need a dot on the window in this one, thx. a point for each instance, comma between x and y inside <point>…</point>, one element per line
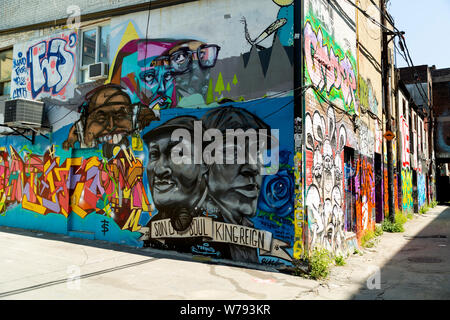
<point>5,71</point>
<point>94,48</point>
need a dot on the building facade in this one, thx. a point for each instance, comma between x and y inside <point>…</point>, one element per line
<point>292,87</point>
<point>441,99</point>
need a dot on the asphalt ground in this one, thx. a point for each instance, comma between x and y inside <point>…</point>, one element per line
<point>42,266</point>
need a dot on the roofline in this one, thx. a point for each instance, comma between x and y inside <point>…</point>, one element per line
<point>157,4</point>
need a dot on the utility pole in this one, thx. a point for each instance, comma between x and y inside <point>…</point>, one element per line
<point>386,67</point>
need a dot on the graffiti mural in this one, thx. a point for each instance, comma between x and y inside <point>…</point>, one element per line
<point>367,95</point>
<point>406,172</point>
<point>404,130</point>
<point>329,68</point>
<point>378,138</point>
<point>108,118</point>
<point>366,141</point>
<point>365,195</point>
<point>283,26</point>
<point>159,73</point>
<point>325,140</point>
<point>299,220</point>
<point>421,189</point>
<point>109,167</point>
<point>44,184</point>
<point>45,68</point>
<point>212,209</point>
<point>188,207</point>
<point>407,190</point>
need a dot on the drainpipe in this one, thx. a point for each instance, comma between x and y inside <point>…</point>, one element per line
<point>299,110</point>
<point>386,67</point>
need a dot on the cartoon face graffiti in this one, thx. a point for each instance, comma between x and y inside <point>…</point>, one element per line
<point>327,156</point>
<point>160,72</point>
<point>176,188</point>
<point>325,142</point>
<point>317,165</point>
<point>158,83</point>
<point>108,118</point>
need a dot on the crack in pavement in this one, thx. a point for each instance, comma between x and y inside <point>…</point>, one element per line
<point>236,285</point>
<point>61,281</point>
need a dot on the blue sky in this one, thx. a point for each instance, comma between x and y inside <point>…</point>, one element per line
<point>427,27</point>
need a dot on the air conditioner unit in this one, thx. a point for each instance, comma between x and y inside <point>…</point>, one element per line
<point>23,112</point>
<point>98,71</point>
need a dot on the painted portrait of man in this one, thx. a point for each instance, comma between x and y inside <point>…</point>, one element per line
<point>108,118</point>
<point>234,186</point>
<point>160,72</point>
<point>177,189</point>
<point>146,79</point>
<point>225,190</point>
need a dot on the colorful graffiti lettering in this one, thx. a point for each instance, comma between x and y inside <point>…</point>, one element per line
<point>44,185</point>
<point>328,68</point>
<point>367,96</point>
<point>299,218</point>
<point>407,190</point>
<point>106,167</point>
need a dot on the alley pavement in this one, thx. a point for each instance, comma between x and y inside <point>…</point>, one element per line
<point>42,266</point>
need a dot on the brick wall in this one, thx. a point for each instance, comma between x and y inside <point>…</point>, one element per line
<point>28,12</point>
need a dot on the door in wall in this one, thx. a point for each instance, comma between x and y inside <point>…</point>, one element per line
<point>349,185</point>
<point>378,188</point>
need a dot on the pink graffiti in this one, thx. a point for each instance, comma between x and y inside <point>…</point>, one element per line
<point>326,69</point>
<point>405,142</point>
<point>52,64</point>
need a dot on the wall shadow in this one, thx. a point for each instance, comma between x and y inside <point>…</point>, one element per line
<point>420,270</point>
<point>143,251</point>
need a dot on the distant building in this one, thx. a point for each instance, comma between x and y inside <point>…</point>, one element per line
<point>441,98</point>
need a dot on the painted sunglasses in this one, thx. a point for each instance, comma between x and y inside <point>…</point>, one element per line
<point>181,60</point>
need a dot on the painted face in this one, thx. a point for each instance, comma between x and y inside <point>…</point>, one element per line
<point>236,188</point>
<point>192,62</point>
<point>157,86</point>
<point>109,119</point>
<point>317,164</point>
<point>327,156</point>
<point>172,185</point>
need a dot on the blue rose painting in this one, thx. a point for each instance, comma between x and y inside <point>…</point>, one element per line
<point>277,191</point>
